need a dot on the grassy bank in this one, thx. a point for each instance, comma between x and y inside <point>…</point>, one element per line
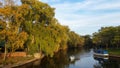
<point>114,52</point>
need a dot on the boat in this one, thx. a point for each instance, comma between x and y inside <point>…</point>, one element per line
<point>101,58</point>
<point>101,52</point>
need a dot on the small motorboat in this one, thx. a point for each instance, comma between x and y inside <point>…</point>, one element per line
<point>101,52</point>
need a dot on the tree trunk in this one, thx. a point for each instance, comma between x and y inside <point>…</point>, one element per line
<point>5,53</point>
<point>106,46</point>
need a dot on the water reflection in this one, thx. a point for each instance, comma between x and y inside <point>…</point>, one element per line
<point>101,60</point>
<point>60,60</point>
<point>107,62</point>
<point>84,59</point>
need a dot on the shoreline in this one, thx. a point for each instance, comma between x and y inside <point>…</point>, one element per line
<point>114,56</point>
<point>114,53</point>
<point>21,63</point>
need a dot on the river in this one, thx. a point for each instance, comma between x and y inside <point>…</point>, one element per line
<point>83,59</point>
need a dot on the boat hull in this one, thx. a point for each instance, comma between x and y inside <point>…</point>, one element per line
<point>104,55</point>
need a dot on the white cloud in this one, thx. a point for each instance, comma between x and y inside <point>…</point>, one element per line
<point>50,1</point>
<point>88,5</point>
<point>85,17</point>
<point>106,6</point>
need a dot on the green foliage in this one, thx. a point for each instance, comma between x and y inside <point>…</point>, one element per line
<point>107,37</point>
<point>88,41</point>
<point>75,40</point>
<point>114,51</point>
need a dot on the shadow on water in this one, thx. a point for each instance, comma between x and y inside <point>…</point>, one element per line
<point>107,63</point>
<point>60,59</point>
<point>83,59</point>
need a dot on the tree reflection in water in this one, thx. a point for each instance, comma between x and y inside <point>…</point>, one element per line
<point>107,63</point>
<point>60,60</point>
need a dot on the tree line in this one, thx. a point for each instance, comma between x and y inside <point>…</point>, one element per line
<point>33,28</point>
<point>107,37</point>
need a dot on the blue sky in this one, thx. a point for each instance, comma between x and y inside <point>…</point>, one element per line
<point>86,16</point>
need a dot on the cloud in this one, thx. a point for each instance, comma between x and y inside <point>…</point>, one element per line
<point>48,1</point>
<point>88,5</point>
<point>79,22</point>
<point>88,16</point>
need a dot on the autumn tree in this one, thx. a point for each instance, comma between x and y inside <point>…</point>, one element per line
<point>10,25</point>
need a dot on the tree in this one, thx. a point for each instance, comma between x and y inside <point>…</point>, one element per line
<point>75,40</point>
<point>88,41</point>
<point>10,25</point>
<point>107,37</point>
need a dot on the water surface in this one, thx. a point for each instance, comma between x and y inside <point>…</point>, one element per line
<point>84,59</point>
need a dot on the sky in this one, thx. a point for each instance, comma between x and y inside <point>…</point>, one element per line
<point>86,16</point>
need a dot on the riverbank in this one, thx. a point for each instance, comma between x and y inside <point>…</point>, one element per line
<point>114,53</point>
<point>25,62</point>
<point>16,61</point>
<point>13,62</point>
